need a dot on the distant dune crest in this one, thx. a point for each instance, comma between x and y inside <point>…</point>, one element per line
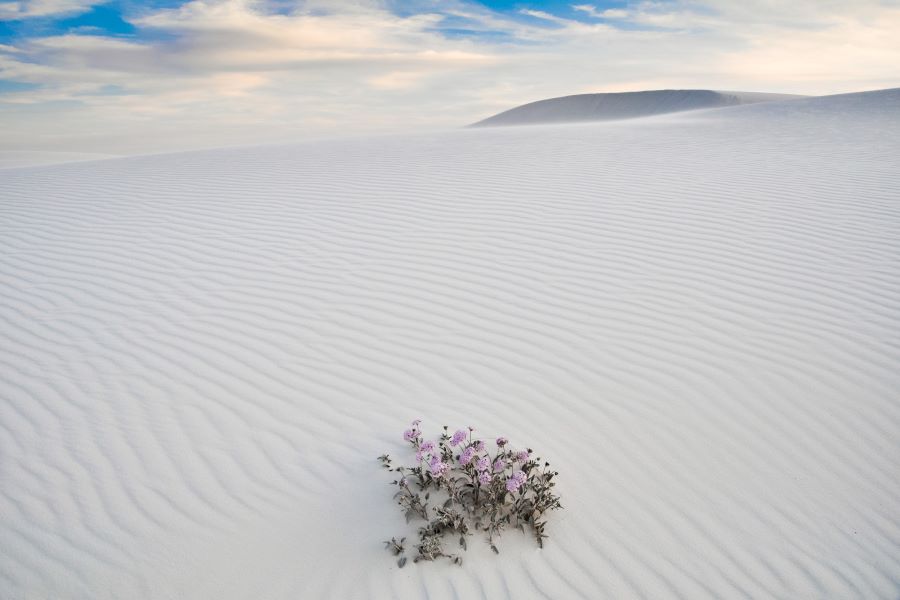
<point>624,105</point>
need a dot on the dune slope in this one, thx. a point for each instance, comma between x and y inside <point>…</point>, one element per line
<point>623,105</point>
<point>203,354</point>
<point>10,159</point>
<point>877,105</point>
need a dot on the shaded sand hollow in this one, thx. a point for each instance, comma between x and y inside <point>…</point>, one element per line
<point>695,317</point>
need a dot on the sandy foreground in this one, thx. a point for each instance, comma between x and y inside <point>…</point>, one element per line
<point>696,318</point>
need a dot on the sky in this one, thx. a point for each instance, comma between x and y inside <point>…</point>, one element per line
<point>133,76</point>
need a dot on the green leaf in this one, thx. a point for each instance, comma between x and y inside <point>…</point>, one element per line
<point>402,562</point>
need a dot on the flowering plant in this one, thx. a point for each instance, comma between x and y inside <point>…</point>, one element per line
<point>457,486</point>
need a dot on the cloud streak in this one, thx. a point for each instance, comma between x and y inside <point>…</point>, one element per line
<point>29,9</point>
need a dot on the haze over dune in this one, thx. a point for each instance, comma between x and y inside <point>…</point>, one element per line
<point>622,105</point>
<point>882,105</point>
<point>695,318</point>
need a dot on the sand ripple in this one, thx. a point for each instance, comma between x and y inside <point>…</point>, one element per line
<point>697,319</point>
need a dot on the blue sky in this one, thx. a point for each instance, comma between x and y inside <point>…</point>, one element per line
<point>556,7</point>
<point>106,18</point>
<point>128,75</point>
<point>112,18</point>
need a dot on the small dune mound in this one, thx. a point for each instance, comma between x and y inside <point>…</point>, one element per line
<point>625,105</point>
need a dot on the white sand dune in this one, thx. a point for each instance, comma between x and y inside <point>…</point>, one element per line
<point>622,105</point>
<point>11,159</point>
<point>697,321</point>
<point>881,105</point>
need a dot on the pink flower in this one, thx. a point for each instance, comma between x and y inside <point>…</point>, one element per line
<point>483,464</point>
<point>466,457</point>
<point>522,455</point>
<point>479,446</point>
<point>437,466</point>
<point>424,448</point>
<point>484,478</point>
<point>499,464</point>
<point>410,434</point>
<point>502,441</point>
<point>458,437</point>
<point>516,481</point>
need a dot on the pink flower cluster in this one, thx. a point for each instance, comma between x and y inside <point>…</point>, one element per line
<point>458,437</point>
<point>483,464</point>
<point>437,466</point>
<point>426,451</point>
<point>424,448</point>
<point>413,432</point>
<point>516,481</point>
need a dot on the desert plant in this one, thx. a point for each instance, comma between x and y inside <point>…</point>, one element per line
<point>458,486</point>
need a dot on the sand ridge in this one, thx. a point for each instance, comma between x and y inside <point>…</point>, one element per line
<point>611,106</point>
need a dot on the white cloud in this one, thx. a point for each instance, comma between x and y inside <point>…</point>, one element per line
<point>864,51</point>
<point>539,14</point>
<point>609,13</point>
<point>590,9</point>
<point>398,80</point>
<point>26,9</point>
<point>614,13</point>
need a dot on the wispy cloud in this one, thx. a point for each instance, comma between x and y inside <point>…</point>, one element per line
<point>594,12</point>
<point>539,14</point>
<point>27,9</point>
